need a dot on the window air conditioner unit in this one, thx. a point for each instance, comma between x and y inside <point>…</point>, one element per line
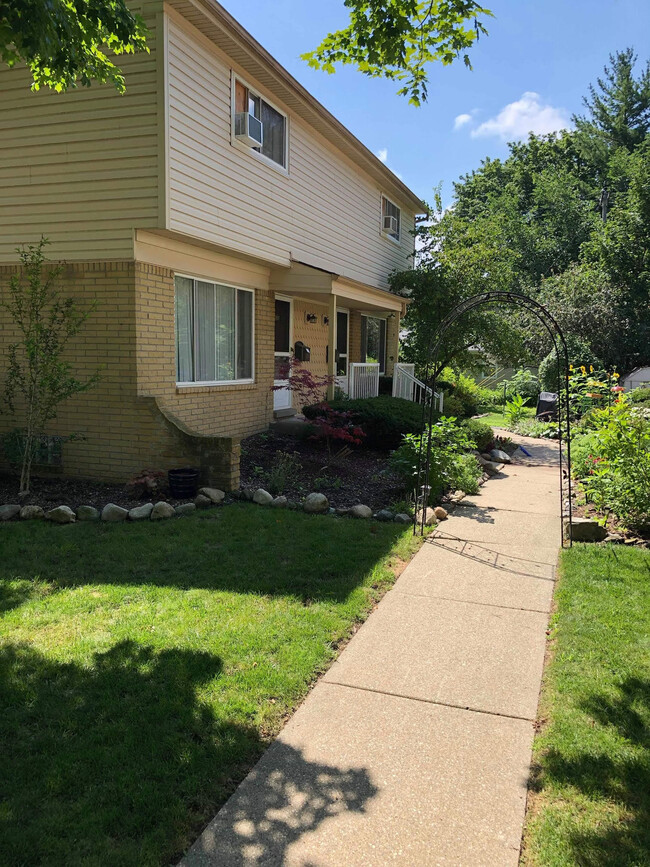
<point>248,129</point>
<point>391,225</point>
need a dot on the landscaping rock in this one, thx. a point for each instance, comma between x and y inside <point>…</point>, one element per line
<point>316,504</point>
<point>185,509</point>
<point>31,513</point>
<point>247,494</point>
<point>360,511</point>
<point>614,538</point>
<point>403,518</point>
<point>280,502</point>
<point>202,502</point>
<point>87,513</point>
<point>162,510</point>
<point>262,497</point>
<point>61,515</point>
<point>440,513</point>
<point>384,515</point>
<point>141,513</point>
<point>429,517</point>
<point>213,494</point>
<point>500,456</point>
<point>585,530</point>
<point>457,496</point>
<point>10,511</point>
<point>113,513</point>
<point>492,468</point>
<point>342,511</point>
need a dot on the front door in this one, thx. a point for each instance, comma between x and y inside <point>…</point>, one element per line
<point>342,338</point>
<point>283,354</point>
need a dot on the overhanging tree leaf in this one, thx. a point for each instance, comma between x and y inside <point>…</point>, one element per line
<point>64,42</point>
<point>396,39</point>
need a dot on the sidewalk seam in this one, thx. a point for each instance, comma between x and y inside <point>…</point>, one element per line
<point>527,719</point>
<point>468,602</point>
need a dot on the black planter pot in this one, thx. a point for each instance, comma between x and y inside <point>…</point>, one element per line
<point>183,483</point>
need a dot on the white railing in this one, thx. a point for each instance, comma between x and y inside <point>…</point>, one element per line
<point>364,380</point>
<point>407,386</point>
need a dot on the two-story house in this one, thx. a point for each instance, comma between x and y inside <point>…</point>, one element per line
<point>222,219</point>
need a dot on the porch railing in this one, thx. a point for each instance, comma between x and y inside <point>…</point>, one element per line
<point>407,386</point>
<point>364,380</point>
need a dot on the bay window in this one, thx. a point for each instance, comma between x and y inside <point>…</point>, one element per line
<point>214,332</point>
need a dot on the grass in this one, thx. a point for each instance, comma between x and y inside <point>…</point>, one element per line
<point>144,668</point>
<point>496,418</point>
<point>590,799</point>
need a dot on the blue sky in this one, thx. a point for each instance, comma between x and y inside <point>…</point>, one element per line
<point>530,72</point>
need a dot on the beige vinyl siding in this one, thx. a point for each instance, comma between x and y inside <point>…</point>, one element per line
<point>325,211</point>
<point>81,167</point>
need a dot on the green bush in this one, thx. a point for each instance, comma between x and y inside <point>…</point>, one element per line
<point>613,462</point>
<point>579,353</point>
<point>640,396</point>
<point>453,407</point>
<point>479,433</point>
<point>525,384</point>
<point>384,419</point>
<point>489,398</point>
<point>451,466</point>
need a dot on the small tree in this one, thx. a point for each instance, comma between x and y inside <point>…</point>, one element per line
<point>38,379</point>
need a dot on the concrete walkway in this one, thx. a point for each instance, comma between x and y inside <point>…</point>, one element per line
<point>414,748</point>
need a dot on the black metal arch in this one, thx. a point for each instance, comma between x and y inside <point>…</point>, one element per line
<point>562,355</point>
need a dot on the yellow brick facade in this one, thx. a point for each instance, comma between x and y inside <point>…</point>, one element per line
<point>136,417</point>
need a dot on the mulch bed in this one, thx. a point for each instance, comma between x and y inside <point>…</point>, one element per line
<point>362,476</point>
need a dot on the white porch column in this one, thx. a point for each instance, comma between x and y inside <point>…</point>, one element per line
<point>331,342</point>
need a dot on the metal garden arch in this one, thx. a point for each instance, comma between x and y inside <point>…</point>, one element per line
<point>559,344</point>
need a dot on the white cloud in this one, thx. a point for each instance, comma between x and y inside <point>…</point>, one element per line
<point>461,120</point>
<point>523,116</point>
<point>382,156</point>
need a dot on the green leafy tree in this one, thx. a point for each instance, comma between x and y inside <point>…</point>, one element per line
<point>38,377</point>
<point>64,42</point>
<point>397,39</point>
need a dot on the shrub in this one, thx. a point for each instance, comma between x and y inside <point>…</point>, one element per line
<point>489,398</point>
<point>515,410</point>
<point>579,353</point>
<point>453,407</point>
<point>640,396</point>
<point>450,467</point>
<point>479,433</point>
<point>384,420</point>
<point>525,384</point>
<point>613,462</point>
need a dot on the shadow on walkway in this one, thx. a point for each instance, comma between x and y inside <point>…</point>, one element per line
<point>284,798</point>
<point>496,559</point>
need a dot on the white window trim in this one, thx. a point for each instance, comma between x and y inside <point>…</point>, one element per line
<point>383,233</point>
<point>234,77</point>
<point>202,383</point>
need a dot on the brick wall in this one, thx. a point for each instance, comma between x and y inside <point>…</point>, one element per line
<point>135,417</point>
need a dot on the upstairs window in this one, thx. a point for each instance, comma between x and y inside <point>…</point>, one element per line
<point>391,218</point>
<point>259,125</point>
<point>214,332</point>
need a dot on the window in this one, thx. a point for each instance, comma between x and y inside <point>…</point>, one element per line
<point>274,123</point>
<point>390,219</point>
<point>214,332</point>
<point>373,341</point>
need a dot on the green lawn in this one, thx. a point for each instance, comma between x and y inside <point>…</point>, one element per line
<point>590,803</point>
<point>497,419</point>
<point>144,667</point>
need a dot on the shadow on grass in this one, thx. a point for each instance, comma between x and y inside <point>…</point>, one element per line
<point>622,778</point>
<point>242,549</point>
<point>119,762</point>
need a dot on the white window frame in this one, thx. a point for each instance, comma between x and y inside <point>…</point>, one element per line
<point>234,78</point>
<point>202,383</point>
<point>383,232</point>
<point>382,364</point>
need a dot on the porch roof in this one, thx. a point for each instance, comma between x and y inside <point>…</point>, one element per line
<point>318,286</point>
